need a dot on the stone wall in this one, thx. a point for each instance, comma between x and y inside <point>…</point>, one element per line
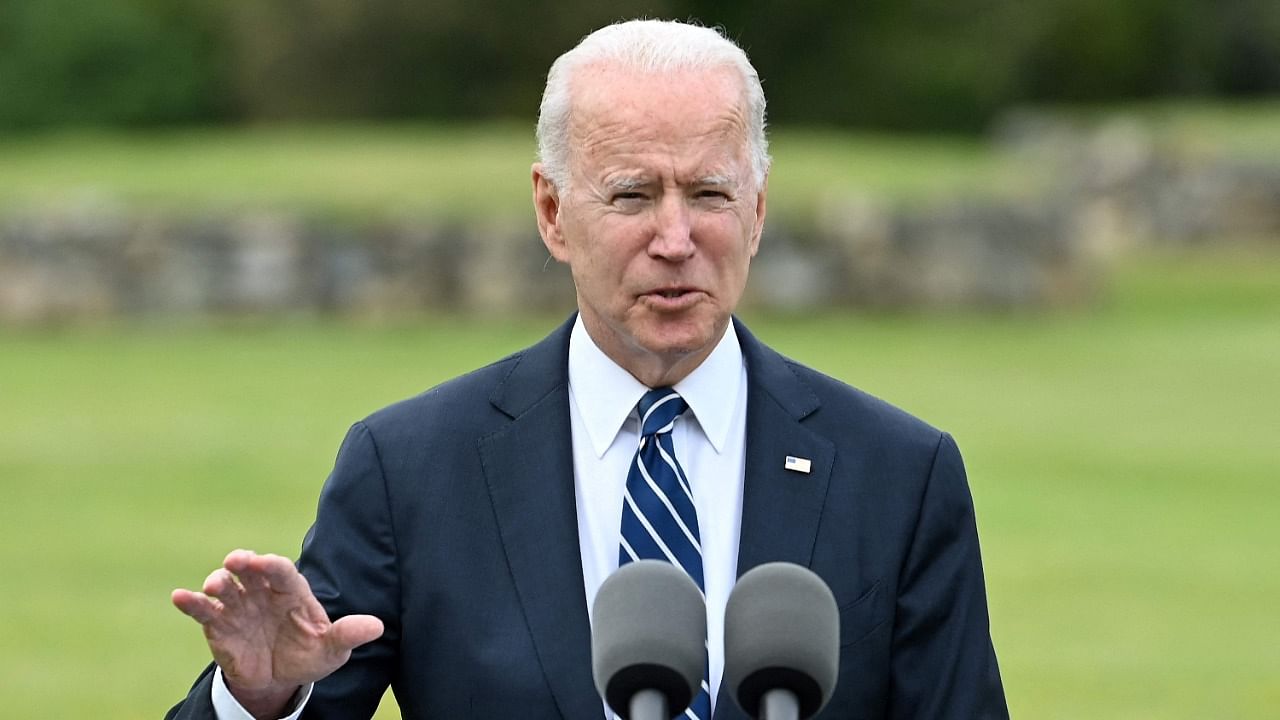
<point>1119,185</point>
<point>1106,189</point>
<point>97,260</point>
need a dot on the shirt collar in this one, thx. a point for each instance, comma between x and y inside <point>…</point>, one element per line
<point>606,394</point>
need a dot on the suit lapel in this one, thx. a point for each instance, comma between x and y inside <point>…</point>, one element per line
<point>528,467</point>
<point>781,508</point>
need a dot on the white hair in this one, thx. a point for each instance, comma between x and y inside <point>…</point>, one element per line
<point>652,46</point>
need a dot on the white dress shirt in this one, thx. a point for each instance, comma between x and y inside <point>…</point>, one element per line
<point>710,441</point>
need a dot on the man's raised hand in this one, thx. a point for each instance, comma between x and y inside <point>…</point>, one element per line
<point>268,632</point>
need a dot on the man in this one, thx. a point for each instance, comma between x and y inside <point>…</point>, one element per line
<point>464,533</point>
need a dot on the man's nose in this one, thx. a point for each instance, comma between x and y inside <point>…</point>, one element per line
<point>673,232</point>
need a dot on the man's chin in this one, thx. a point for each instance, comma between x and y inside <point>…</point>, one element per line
<point>676,341</point>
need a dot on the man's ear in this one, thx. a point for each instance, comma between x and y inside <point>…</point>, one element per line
<point>761,207</point>
<point>546,206</point>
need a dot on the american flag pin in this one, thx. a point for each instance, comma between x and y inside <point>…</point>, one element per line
<point>798,464</point>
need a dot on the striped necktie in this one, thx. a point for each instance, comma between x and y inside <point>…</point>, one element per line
<point>658,517</point>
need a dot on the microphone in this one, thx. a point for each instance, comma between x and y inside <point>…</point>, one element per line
<point>648,640</point>
<point>781,642</point>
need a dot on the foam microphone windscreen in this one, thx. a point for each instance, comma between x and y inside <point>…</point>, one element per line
<point>649,629</point>
<point>781,631</point>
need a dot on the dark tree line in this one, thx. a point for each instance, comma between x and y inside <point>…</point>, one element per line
<point>905,64</point>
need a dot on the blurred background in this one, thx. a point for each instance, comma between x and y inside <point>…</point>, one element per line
<point>1051,227</point>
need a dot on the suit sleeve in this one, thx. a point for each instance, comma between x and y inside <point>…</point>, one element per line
<point>944,665</point>
<point>349,558</point>
<point>198,704</point>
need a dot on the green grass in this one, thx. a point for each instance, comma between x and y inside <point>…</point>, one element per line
<point>456,172</point>
<point>464,172</point>
<point>1243,130</point>
<point>1124,462</point>
<point>453,172</point>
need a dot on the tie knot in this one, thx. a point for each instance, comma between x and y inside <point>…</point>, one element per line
<point>658,410</point>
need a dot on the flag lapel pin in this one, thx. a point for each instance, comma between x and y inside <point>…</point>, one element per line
<point>798,464</point>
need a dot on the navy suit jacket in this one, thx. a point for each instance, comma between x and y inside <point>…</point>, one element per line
<point>451,517</point>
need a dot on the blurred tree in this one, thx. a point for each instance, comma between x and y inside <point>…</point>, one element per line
<point>1249,47</point>
<point>906,64</point>
<point>901,64</point>
<point>1101,49</point>
<point>402,58</point>
<point>120,62</point>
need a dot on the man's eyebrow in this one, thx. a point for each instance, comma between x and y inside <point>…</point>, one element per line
<point>715,180</point>
<point>626,183</point>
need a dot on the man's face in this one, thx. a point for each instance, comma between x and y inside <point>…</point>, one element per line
<point>662,215</point>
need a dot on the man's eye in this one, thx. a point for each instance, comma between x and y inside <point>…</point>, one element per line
<point>628,196</point>
<point>716,195</point>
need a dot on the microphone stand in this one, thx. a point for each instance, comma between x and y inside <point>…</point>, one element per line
<point>779,704</point>
<point>649,705</point>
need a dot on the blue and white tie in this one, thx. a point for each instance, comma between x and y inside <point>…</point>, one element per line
<point>659,521</point>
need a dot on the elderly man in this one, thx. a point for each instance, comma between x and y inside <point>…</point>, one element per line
<point>464,533</point>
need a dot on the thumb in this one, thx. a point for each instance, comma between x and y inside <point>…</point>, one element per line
<point>352,631</point>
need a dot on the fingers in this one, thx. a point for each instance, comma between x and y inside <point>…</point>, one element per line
<point>247,585</point>
<point>245,562</point>
<point>225,588</point>
<point>352,631</point>
<point>220,591</point>
<point>263,624</point>
<point>222,585</point>
<point>269,571</point>
<point>198,606</point>
<point>237,560</point>
<point>281,574</point>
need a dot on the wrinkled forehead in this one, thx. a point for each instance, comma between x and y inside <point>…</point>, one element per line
<point>615,108</point>
<point>603,86</point>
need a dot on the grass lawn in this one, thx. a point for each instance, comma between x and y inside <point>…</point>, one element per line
<point>481,170</point>
<point>457,172</point>
<point>1124,462</point>
<point>1245,131</point>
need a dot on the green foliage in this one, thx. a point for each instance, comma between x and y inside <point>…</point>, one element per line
<point>123,62</point>
<point>401,58</point>
<point>900,64</point>
<point>1123,465</point>
<point>940,64</point>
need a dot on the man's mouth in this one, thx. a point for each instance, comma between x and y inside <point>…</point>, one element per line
<point>672,299</point>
